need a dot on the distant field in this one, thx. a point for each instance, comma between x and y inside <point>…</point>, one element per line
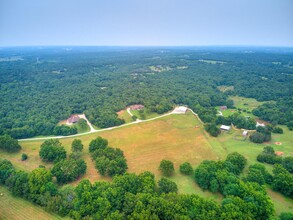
<point>174,137</point>
<point>225,88</point>
<point>212,61</point>
<point>245,104</point>
<point>13,208</point>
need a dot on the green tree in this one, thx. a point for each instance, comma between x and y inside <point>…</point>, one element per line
<point>9,144</point>
<point>186,168</point>
<point>277,130</point>
<point>214,185</point>
<point>167,168</point>
<point>238,161</point>
<point>6,169</point>
<point>38,180</point>
<point>288,163</point>
<point>167,186</point>
<point>52,151</point>
<point>212,129</point>
<point>68,170</point>
<point>98,143</point>
<point>76,145</point>
<point>17,183</point>
<point>282,181</point>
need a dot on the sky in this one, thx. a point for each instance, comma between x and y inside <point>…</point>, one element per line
<point>146,22</point>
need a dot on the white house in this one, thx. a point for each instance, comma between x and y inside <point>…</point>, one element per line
<point>180,110</point>
<point>225,127</point>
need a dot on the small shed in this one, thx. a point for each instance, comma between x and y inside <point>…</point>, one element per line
<point>225,127</point>
<point>73,119</point>
<point>222,108</point>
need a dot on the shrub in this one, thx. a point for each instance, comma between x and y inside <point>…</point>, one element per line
<point>23,157</point>
<point>186,168</point>
<point>278,130</point>
<point>9,144</point>
<point>167,168</point>
<point>167,186</point>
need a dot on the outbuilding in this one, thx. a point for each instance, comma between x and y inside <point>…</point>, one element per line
<point>222,108</point>
<point>225,127</point>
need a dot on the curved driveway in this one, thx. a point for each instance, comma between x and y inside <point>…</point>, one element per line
<point>107,129</point>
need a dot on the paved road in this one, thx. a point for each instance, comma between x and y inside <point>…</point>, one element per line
<point>105,129</point>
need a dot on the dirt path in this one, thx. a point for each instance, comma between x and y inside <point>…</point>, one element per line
<point>129,112</point>
<point>88,122</point>
<point>105,129</point>
<point>196,115</point>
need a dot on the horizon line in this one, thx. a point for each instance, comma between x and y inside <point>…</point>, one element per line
<point>92,45</point>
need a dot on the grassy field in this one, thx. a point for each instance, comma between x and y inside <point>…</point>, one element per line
<point>245,104</point>
<point>178,138</point>
<point>146,113</point>
<point>123,114</point>
<point>13,208</point>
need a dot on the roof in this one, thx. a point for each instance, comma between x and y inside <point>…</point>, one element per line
<point>180,110</point>
<point>225,127</point>
<point>260,124</point>
<point>223,107</point>
<point>136,107</point>
<point>73,119</point>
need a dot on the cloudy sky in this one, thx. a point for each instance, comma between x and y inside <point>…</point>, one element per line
<point>146,22</point>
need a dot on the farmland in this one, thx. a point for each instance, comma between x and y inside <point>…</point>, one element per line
<point>13,208</point>
<point>178,138</point>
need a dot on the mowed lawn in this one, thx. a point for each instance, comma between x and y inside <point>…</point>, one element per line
<point>123,114</point>
<point>13,208</point>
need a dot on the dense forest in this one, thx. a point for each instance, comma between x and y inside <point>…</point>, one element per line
<point>41,86</point>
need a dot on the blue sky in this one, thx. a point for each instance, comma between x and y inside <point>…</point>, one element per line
<point>146,22</point>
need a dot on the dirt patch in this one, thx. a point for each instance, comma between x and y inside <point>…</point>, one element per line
<point>120,112</point>
<point>278,143</point>
<point>261,121</point>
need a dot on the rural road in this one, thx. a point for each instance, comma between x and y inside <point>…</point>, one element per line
<point>107,129</point>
